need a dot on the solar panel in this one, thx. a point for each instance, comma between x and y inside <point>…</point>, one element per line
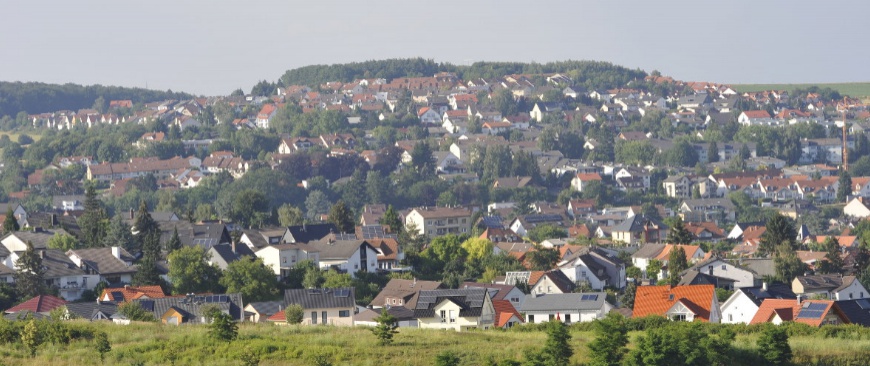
<point>314,291</point>
<point>864,304</point>
<point>810,314</point>
<point>817,306</point>
<point>341,293</point>
<point>117,295</point>
<point>589,298</point>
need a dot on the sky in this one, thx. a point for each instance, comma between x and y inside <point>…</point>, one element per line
<point>214,47</point>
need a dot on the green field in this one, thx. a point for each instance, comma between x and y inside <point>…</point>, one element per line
<point>14,135</point>
<point>850,89</point>
<point>157,344</point>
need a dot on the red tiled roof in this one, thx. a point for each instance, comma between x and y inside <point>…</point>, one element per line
<point>38,304</point>
<point>277,317</point>
<point>588,176</point>
<point>657,300</point>
<point>788,310</point>
<point>757,114</point>
<point>504,310</point>
<point>130,293</point>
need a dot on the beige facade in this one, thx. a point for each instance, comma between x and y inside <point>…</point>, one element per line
<point>435,221</point>
<point>447,317</point>
<point>334,316</point>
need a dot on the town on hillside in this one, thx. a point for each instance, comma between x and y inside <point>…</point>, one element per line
<point>454,200</point>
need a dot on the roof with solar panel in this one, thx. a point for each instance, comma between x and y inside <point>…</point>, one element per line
<point>564,302</point>
<point>321,298</point>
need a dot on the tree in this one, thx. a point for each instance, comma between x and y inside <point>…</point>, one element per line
<point>477,248</point>
<point>678,234</point>
<point>611,337</point>
<point>334,279</point>
<point>290,215</point>
<point>30,337</point>
<point>223,328</point>
<point>341,216</point>
<point>62,241</point>
<point>773,346</point>
<point>174,242</point>
<point>250,208</point>
<point>543,259</point>
<point>316,204</point>
<point>421,156</point>
<point>391,219</point>
<point>251,278</point>
<point>844,190</point>
<point>779,230</point>
<point>118,234</point>
<point>133,311</point>
<point>143,223</point>
<point>676,264</point>
<point>547,231</point>
<point>190,272</point>
<point>557,348</point>
<point>833,263</point>
<point>787,264</point>
<point>445,249</point>
<point>147,272</point>
<point>10,223</point>
<point>386,328</point>
<point>93,220</point>
<point>30,274</point>
<point>102,345</point>
<point>294,313</point>
<point>653,268</point>
<point>712,152</point>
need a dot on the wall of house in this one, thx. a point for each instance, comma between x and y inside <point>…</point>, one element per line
<point>853,291</point>
<point>580,272</point>
<point>456,323</point>
<point>567,316</point>
<point>333,316</point>
<point>738,309</point>
<point>546,286</point>
<point>71,287</point>
<point>742,278</point>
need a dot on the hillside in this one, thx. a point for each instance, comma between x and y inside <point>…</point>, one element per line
<point>856,90</point>
<point>35,98</point>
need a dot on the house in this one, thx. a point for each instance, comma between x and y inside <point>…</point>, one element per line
<point>41,304</point>
<point>129,293</point>
<point>743,304</point>
<point>404,317</point>
<point>498,292</point>
<point>542,108</point>
<point>569,308</point>
<point>296,144</point>
<point>857,208</point>
<point>436,221</point>
<point>581,208</point>
<point>550,282</point>
<point>512,182</point>
<point>348,256</point>
<point>830,286</point>
<point>678,186</point>
<point>708,209</point>
<point>814,313</point>
<point>582,179</point>
<point>60,273</point>
<point>756,117</point>
<point>594,266</point>
<point>522,224</point>
<point>222,255</point>
<point>321,306</point>
<point>429,116</point>
<point>721,270</point>
<point>639,229</point>
<point>91,311</point>
<point>267,112</point>
<point>461,309</point>
<point>506,315</point>
<point>403,293</point>
<point>114,265</point>
<point>307,232</point>
<point>283,257</point>
<point>684,303</point>
<point>259,312</point>
<point>855,311</point>
<point>190,309</point>
<point>256,239</point>
<point>390,254</point>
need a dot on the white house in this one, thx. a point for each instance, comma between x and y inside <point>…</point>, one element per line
<point>744,302</point>
<point>857,208</point>
<point>461,309</point>
<point>569,308</point>
<point>831,286</point>
<point>595,267</point>
<point>350,256</point>
<point>283,257</point>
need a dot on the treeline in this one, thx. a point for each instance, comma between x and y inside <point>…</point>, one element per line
<point>591,74</point>
<point>34,97</point>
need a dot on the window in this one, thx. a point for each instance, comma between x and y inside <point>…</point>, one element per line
<point>515,299</point>
<point>323,317</point>
<point>531,318</point>
<point>453,316</point>
<point>443,316</point>
<point>552,317</point>
<point>679,317</point>
<point>730,317</point>
<point>567,318</point>
<point>723,267</point>
<point>283,259</point>
<point>850,295</point>
<point>356,266</point>
<point>582,273</point>
<point>313,317</point>
<point>343,313</point>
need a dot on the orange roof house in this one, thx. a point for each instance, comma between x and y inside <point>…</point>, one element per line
<point>130,293</point>
<point>505,314</point>
<point>690,302</point>
<point>814,313</point>
<point>42,304</point>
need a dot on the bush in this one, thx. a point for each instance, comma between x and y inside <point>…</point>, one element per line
<point>773,346</point>
<point>134,311</point>
<point>223,328</point>
<point>294,314</point>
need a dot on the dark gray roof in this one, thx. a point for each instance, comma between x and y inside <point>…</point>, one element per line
<point>38,238</point>
<point>57,264</point>
<point>400,312</point>
<point>24,314</point>
<point>564,302</point>
<point>649,251</point>
<point>225,251</point>
<point>774,291</point>
<point>321,298</point>
<point>828,282</point>
<point>102,261</point>
<point>90,310</point>
<point>856,311</point>
<point>202,235</point>
<point>761,266</point>
<point>636,223</point>
<point>405,289</point>
<point>470,301</point>
<point>700,278</point>
<point>231,303</point>
<point>306,233</point>
<point>338,249</point>
<point>267,308</point>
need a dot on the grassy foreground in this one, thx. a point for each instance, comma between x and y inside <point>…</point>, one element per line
<point>850,89</point>
<point>155,344</point>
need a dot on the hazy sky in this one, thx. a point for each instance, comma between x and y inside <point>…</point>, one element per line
<point>213,47</point>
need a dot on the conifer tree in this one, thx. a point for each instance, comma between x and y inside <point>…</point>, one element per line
<point>30,275</point>
<point>341,216</point>
<point>10,224</point>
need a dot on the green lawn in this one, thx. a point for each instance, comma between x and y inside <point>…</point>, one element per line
<point>156,344</point>
<point>14,135</point>
<point>851,89</point>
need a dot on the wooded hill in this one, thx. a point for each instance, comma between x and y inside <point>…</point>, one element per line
<point>32,97</point>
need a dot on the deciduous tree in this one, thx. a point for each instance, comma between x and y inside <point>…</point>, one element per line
<point>342,217</point>
<point>251,278</point>
<point>190,272</point>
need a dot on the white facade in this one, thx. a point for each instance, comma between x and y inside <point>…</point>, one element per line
<point>447,317</point>
<point>739,308</point>
<point>282,258</point>
<point>354,263</point>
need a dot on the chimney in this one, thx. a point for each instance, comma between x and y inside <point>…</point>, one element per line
<point>233,244</point>
<point>116,252</point>
<point>42,253</point>
<point>798,299</point>
<point>764,286</point>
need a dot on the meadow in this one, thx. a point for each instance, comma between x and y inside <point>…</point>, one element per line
<point>157,344</point>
